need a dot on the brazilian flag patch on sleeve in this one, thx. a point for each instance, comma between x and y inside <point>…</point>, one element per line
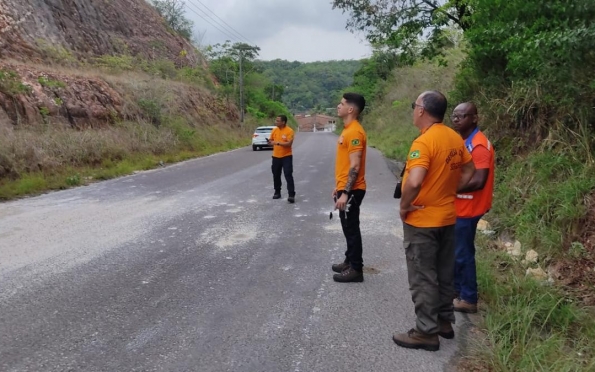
<point>414,154</point>
<point>355,142</point>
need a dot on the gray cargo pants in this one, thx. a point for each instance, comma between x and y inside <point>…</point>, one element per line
<point>430,253</point>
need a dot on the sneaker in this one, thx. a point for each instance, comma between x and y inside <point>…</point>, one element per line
<point>463,306</point>
<point>417,340</point>
<point>277,196</point>
<point>340,267</point>
<point>349,275</point>
<point>291,199</point>
<point>445,329</point>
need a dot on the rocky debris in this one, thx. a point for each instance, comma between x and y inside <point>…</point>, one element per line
<point>531,257</point>
<point>537,274</point>
<point>514,249</point>
<point>483,225</point>
<point>30,30</point>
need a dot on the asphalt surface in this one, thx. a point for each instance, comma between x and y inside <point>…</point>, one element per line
<point>193,267</point>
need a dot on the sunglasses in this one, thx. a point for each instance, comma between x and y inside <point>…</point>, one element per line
<point>459,117</point>
<point>413,104</point>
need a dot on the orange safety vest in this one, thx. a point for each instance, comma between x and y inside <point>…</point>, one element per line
<point>478,202</point>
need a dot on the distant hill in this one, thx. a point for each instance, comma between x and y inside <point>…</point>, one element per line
<point>310,85</point>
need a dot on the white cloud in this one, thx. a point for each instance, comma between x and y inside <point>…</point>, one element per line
<point>308,44</point>
<point>304,30</point>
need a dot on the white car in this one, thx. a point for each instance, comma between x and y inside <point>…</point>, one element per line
<point>259,138</point>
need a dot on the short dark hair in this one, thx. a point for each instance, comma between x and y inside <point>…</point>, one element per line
<point>435,104</point>
<point>283,118</point>
<point>356,100</point>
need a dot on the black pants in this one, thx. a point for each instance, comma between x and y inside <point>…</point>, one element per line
<point>284,164</point>
<point>350,225</point>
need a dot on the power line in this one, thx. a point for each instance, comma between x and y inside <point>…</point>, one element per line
<point>206,20</point>
<point>228,26</point>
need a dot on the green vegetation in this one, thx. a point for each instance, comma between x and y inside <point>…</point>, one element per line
<point>11,84</point>
<point>528,65</point>
<point>173,13</point>
<point>307,86</point>
<point>529,326</point>
<point>259,99</point>
<point>46,82</point>
<point>51,158</point>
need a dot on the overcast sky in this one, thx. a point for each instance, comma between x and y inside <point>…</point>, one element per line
<point>295,30</point>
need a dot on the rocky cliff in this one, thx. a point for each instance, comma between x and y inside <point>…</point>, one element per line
<point>49,70</point>
<point>88,28</point>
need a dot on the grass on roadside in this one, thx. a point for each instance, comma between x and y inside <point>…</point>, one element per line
<point>528,325</point>
<point>51,158</point>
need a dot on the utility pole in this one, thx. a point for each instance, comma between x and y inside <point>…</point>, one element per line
<point>241,90</point>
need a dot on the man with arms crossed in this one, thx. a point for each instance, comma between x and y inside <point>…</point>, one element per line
<point>472,202</point>
<point>281,139</point>
<point>350,185</point>
<point>437,166</point>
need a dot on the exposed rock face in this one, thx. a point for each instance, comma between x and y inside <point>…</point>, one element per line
<point>70,34</point>
<point>78,101</point>
<point>88,28</point>
<point>81,101</point>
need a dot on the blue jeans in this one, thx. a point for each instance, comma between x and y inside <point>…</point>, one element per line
<point>465,274</point>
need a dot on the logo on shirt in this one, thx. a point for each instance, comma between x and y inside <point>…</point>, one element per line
<point>355,142</point>
<point>414,154</point>
<point>284,136</point>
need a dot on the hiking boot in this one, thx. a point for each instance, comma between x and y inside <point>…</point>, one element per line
<point>445,329</point>
<point>463,306</point>
<point>277,196</point>
<point>291,199</point>
<point>417,340</point>
<point>349,275</point>
<point>341,266</point>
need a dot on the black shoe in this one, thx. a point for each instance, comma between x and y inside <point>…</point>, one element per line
<point>349,275</point>
<point>277,196</point>
<point>291,199</point>
<point>445,329</point>
<point>340,267</point>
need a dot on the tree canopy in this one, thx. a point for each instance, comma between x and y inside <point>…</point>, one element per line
<point>412,27</point>
<point>173,13</point>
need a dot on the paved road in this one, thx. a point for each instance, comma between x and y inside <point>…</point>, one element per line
<point>195,268</point>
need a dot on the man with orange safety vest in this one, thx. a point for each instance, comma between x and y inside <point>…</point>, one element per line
<point>472,202</point>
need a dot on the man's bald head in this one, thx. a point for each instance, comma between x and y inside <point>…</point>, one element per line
<point>467,107</point>
<point>434,103</point>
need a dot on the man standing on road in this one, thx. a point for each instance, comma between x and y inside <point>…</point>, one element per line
<point>437,166</point>
<point>472,202</point>
<point>350,185</point>
<point>282,139</point>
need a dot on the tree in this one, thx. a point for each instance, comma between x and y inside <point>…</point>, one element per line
<point>404,24</point>
<point>172,12</point>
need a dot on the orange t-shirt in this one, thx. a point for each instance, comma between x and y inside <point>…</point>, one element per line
<point>353,138</point>
<point>478,202</point>
<point>281,135</point>
<point>441,151</point>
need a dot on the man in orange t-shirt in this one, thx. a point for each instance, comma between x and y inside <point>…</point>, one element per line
<point>350,186</point>
<point>472,202</point>
<point>437,166</point>
<point>282,138</point>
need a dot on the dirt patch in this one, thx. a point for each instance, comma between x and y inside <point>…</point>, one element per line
<point>576,272</point>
